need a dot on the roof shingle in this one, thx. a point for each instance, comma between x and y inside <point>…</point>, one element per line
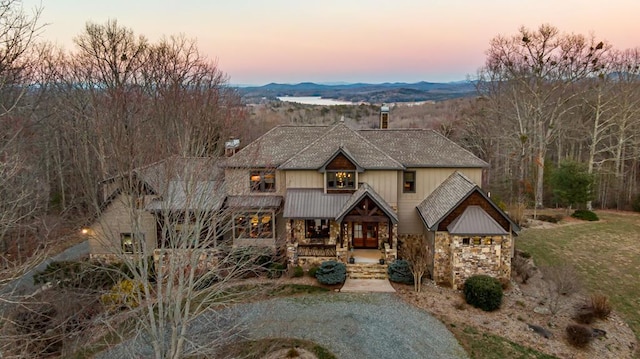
<point>444,198</point>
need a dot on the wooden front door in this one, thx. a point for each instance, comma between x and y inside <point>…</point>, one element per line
<point>365,235</point>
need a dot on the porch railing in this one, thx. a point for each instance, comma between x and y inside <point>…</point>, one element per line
<point>316,250</point>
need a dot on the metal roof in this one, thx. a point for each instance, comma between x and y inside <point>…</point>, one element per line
<point>313,203</point>
<point>363,191</point>
<point>254,202</point>
<point>475,221</point>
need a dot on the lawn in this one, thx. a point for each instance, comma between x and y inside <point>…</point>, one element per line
<point>605,253</point>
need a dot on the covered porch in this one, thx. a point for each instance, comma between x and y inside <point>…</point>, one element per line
<point>323,226</point>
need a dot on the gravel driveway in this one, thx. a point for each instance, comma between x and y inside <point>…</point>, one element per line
<point>351,325</point>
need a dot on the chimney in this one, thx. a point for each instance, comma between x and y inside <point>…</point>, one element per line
<point>232,146</point>
<point>384,117</point>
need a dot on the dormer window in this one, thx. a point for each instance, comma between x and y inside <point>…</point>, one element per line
<point>341,180</point>
<point>263,181</point>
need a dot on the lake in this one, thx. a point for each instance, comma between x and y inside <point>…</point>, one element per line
<point>314,100</point>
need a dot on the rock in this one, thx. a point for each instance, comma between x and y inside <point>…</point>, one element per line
<point>542,310</point>
<point>598,333</point>
<point>540,330</point>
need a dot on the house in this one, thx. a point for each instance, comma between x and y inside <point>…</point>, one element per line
<point>332,192</point>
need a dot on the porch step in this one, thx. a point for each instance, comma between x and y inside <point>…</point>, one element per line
<point>367,271</point>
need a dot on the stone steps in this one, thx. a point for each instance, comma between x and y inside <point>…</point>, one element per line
<point>367,271</point>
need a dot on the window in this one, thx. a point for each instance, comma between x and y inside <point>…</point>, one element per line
<point>131,243</point>
<point>253,225</point>
<point>317,228</point>
<point>341,180</point>
<point>409,182</point>
<point>263,181</point>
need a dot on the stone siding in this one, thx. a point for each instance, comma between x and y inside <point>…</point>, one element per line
<point>442,259</point>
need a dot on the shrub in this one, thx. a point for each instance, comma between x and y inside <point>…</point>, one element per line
<point>601,306</point>
<point>579,335</point>
<point>298,271</point>
<point>523,267</point>
<point>276,270</point>
<point>125,294</point>
<point>483,292</point>
<point>585,215</point>
<point>87,275</point>
<point>547,218</point>
<point>312,271</point>
<point>564,279</point>
<point>584,315</point>
<point>331,272</point>
<point>635,204</point>
<point>400,272</point>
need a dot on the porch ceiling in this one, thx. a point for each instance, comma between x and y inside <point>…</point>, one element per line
<point>313,203</point>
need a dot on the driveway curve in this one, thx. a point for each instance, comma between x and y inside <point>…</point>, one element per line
<point>354,325</point>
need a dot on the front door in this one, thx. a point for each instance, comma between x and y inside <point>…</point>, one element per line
<point>365,235</point>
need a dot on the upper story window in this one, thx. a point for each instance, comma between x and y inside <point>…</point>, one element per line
<point>341,179</point>
<point>409,182</point>
<point>263,181</point>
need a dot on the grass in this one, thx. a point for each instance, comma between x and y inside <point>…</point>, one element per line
<point>487,346</point>
<point>605,253</point>
<point>260,348</point>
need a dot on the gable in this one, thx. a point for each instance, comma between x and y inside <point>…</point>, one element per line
<point>475,199</point>
<point>475,221</point>
<point>340,162</point>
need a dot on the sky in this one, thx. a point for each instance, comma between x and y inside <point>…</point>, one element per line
<point>290,41</point>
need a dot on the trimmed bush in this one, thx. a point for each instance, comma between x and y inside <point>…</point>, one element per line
<point>400,272</point>
<point>483,292</point>
<point>579,335</point>
<point>298,271</point>
<point>585,215</point>
<point>331,272</point>
<point>313,270</point>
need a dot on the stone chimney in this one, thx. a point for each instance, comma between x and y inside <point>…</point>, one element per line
<point>384,117</point>
<point>232,146</point>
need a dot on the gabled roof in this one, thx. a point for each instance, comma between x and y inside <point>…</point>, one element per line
<point>363,191</point>
<point>191,196</point>
<point>475,221</point>
<point>321,151</point>
<point>276,146</point>
<point>445,198</point>
<point>313,203</point>
<point>448,196</point>
<point>422,148</point>
<point>290,147</point>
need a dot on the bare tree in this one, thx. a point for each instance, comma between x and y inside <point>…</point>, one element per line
<point>414,250</point>
<point>532,78</point>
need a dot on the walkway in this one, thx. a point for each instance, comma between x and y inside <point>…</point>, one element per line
<point>367,286</point>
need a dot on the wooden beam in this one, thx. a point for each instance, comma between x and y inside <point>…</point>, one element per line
<point>366,219</point>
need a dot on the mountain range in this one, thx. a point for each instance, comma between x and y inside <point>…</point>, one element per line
<point>362,92</point>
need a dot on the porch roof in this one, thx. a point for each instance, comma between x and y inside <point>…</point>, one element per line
<point>313,203</point>
<point>254,202</point>
<point>363,191</point>
<point>475,221</point>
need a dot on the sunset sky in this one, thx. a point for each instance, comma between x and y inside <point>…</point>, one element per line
<point>290,41</point>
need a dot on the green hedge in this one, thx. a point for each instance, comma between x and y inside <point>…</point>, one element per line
<point>484,292</point>
<point>331,272</point>
<point>585,215</point>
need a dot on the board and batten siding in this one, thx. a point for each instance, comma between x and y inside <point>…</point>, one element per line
<point>384,183</point>
<point>427,180</point>
<point>304,179</point>
<point>104,236</point>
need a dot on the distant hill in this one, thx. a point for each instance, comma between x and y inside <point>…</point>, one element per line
<point>362,92</point>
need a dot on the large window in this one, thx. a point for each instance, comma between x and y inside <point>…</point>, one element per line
<point>263,181</point>
<point>131,243</point>
<point>409,182</point>
<point>253,225</point>
<point>341,180</point>
<point>317,228</point>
